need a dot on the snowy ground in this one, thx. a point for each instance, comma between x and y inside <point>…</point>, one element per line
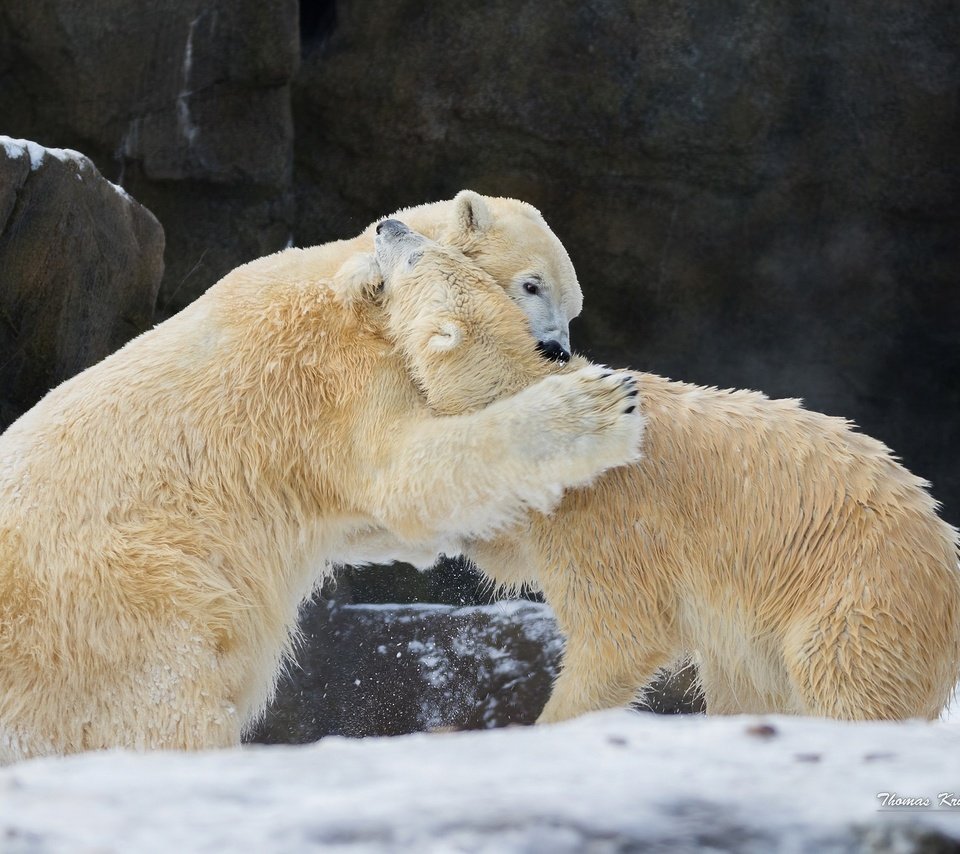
<point>615,781</point>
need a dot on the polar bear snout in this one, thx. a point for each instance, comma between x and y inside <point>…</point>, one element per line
<point>553,350</point>
<point>392,228</point>
<point>396,243</point>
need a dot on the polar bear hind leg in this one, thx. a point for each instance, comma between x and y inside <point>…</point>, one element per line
<point>857,667</point>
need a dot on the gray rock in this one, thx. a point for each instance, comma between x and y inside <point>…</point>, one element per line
<point>80,266</point>
<point>390,669</point>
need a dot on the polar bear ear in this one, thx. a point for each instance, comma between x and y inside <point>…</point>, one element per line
<point>472,213</point>
<point>446,337</point>
<point>359,278</point>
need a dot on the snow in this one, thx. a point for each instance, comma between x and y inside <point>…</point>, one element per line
<point>120,191</point>
<point>17,147</point>
<point>605,782</point>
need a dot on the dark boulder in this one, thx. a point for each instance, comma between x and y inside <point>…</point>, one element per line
<point>392,669</point>
<point>80,266</point>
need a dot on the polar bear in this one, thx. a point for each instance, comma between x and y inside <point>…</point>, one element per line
<point>164,513</point>
<point>805,569</point>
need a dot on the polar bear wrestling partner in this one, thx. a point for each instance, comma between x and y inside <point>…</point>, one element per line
<point>794,558</point>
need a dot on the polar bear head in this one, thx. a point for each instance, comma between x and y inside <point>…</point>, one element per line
<point>464,340</point>
<point>511,241</point>
<point>513,244</point>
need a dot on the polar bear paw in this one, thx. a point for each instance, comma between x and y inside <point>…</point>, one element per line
<point>587,421</point>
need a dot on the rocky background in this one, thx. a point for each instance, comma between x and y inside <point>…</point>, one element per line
<point>755,194</point>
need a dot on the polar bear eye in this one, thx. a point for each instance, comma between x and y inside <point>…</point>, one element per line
<point>531,288</point>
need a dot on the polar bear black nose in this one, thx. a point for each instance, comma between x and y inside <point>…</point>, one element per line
<point>553,350</point>
<point>393,227</point>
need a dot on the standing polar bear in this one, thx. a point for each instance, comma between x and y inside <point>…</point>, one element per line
<point>804,568</point>
<point>164,513</point>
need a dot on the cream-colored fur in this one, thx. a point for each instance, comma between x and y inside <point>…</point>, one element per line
<point>795,559</point>
<point>801,564</point>
<point>164,513</point>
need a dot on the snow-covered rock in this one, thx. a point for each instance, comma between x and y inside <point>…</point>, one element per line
<point>615,781</point>
<point>390,669</point>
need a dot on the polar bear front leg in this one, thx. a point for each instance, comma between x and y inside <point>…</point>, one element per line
<point>447,478</point>
<point>594,678</point>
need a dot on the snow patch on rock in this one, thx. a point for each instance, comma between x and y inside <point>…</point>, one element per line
<point>17,148</point>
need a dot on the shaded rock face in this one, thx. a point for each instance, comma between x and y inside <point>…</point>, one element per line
<point>80,266</point>
<point>184,102</point>
<point>391,669</point>
<point>758,195</point>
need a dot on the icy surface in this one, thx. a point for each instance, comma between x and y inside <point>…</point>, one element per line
<point>603,783</point>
